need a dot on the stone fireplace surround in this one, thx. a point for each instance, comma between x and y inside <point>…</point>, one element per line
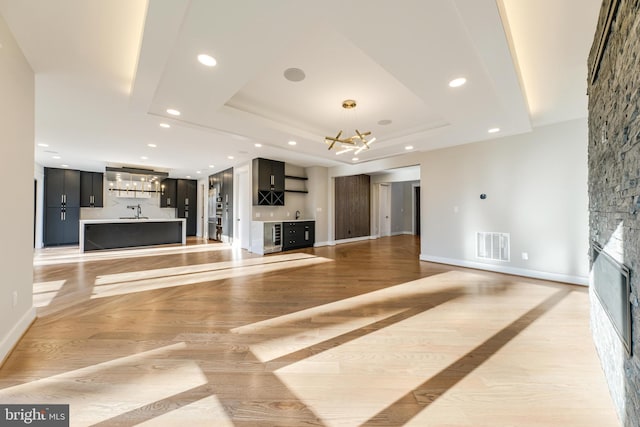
<point>614,187</point>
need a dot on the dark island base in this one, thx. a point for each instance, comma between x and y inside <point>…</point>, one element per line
<point>128,235</point>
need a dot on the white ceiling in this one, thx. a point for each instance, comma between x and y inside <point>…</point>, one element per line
<point>107,70</point>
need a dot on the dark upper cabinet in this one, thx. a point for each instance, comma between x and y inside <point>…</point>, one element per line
<point>187,203</point>
<point>62,187</point>
<point>352,206</point>
<point>268,182</point>
<point>168,193</point>
<point>62,201</point>
<point>91,187</point>
<point>298,234</point>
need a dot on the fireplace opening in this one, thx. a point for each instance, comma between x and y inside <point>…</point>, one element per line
<point>610,281</point>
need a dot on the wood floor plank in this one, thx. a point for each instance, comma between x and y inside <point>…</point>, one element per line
<point>356,334</point>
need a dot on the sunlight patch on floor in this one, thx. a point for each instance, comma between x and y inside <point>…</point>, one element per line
<point>377,369</point>
<point>243,268</point>
<point>52,256</point>
<point>45,292</point>
<point>405,290</point>
<point>302,337</point>
<point>195,268</point>
<point>95,391</point>
<point>207,411</point>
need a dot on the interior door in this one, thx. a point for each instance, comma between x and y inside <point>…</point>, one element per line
<point>385,210</point>
<point>243,211</point>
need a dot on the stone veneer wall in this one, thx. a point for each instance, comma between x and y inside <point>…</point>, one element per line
<point>614,183</point>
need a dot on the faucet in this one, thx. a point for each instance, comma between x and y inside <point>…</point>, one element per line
<point>297,214</point>
<point>137,208</point>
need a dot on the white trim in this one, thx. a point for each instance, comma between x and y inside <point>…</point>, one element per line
<point>398,233</point>
<point>11,339</point>
<point>535,274</point>
<point>353,239</point>
<point>319,244</point>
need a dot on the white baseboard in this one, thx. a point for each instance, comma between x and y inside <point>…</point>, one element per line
<point>10,340</point>
<point>535,274</point>
<point>398,233</point>
<point>353,239</point>
<point>318,244</point>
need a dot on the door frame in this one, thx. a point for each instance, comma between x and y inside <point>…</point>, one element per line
<point>242,208</point>
<point>415,209</point>
<point>381,213</point>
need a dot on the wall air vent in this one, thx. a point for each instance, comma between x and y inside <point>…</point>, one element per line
<point>493,246</point>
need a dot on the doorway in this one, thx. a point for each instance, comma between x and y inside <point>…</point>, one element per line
<point>385,210</point>
<point>416,210</point>
<point>243,211</point>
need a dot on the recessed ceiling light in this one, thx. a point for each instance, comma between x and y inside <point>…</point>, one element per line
<point>230,157</point>
<point>173,112</point>
<point>188,176</point>
<point>144,157</point>
<point>355,159</point>
<point>152,145</point>
<point>292,143</point>
<point>65,166</point>
<point>258,145</point>
<point>385,122</point>
<point>42,144</point>
<point>57,157</point>
<point>165,125</point>
<point>207,60</point>
<point>494,130</point>
<point>457,82</point>
<point>211,166</point>
<point>409,147</point>
<point>294,74</point>
<point>198,172</point>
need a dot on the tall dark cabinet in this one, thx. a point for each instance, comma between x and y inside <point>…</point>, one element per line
<point>168,194</point>
<point>352,206</point>
<point>62,206</point>
<point>268,182</point>
<point>91,186</point>
<point>187,203</point>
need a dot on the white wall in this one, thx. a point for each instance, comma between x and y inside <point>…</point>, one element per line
<point>317,202</point>
<point>17,173</point>
<point>536,187</point>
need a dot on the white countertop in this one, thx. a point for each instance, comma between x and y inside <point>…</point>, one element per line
<point>121,220</point>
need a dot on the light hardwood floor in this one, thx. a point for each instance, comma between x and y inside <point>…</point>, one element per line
<point>360,334</point>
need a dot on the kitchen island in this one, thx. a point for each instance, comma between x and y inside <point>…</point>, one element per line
<point>100,234</point>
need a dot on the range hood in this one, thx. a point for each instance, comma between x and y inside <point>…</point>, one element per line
<point>134,182</point>
<point>128,174</point>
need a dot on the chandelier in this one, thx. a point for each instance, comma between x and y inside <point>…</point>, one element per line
<point>357,142</point>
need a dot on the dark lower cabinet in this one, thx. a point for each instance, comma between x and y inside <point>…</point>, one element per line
<point>298,234</point>
<point>61,226</point>
<point>62,201</point>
